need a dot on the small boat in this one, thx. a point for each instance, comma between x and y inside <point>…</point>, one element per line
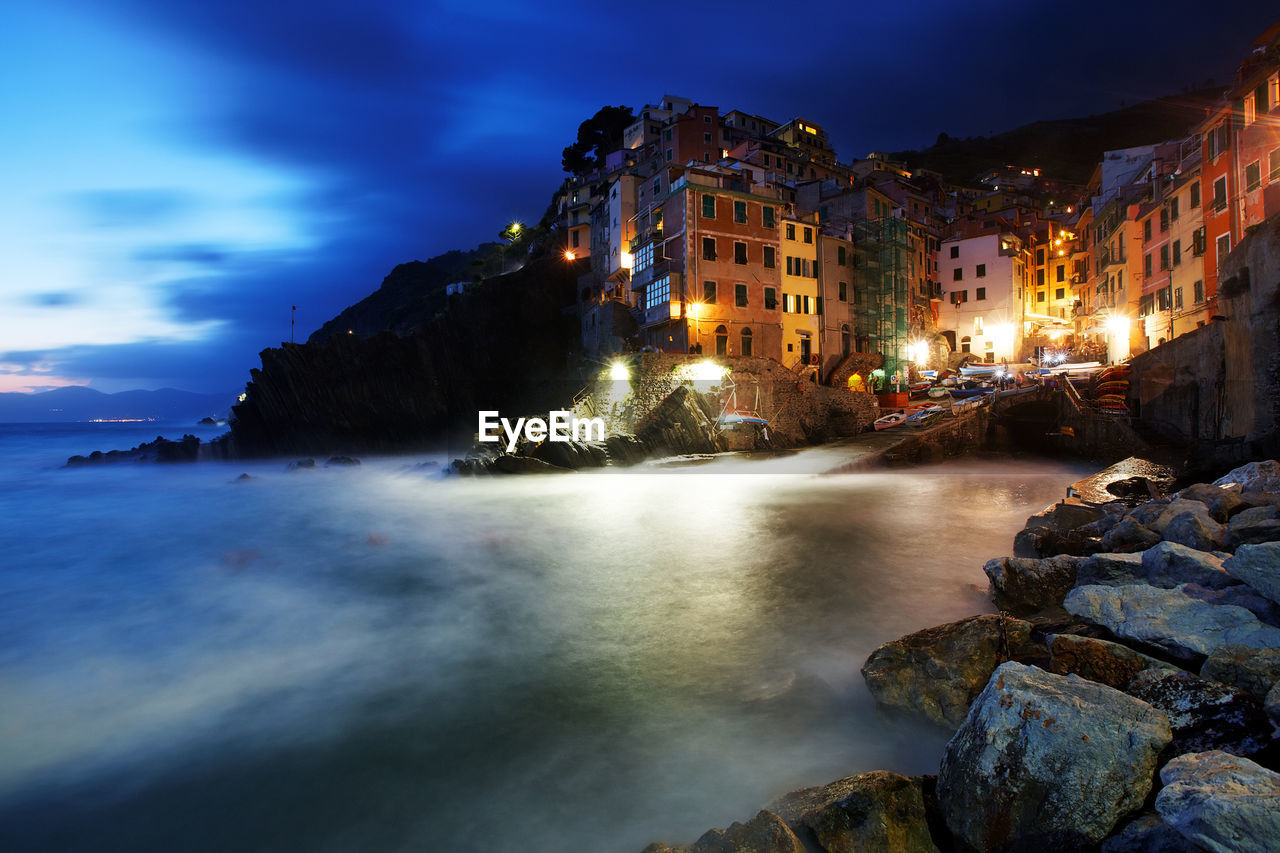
<point>1114,386</point>
<point>958,407</point>
<point>979,369</point>
<point>892,419</point>
<point>926,416</point>
<point>939,392</point>
<point>1116,373</point>
<point>739,418</point>
<point>966,393</point>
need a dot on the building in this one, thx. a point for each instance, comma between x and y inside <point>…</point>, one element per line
<point>983,282</point>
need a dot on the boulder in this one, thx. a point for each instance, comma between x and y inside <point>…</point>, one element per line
<point>341,462</point>
<point>1253,526</point>
<point>1048,761</point>
<point>1065,515</point>
<point>1221,802</point>
<point>1043,542</point>
<point>1146,513</point>
<point>1203,714</point>
<point>1255,498</point>
<point>872,811</point>
<point>764,833</point>
<point>1111,569</point>
<point>1188,523</point>
<point>1169,619</point>
<point>937,672</point>
<point>1259,567</point>
<point>1171,564</point>
<point>1129,535</point>
<point>1222,503</point>
<point>1024,585</point>
<point>1097,660</point>
<point>1254,477</point>
<point>300,465</point>
<point>1240,595</point>
<point>1147,833</point>
<point>1176,508</point>
<point>1252,670</point>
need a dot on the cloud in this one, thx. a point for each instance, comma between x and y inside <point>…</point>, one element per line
<point>191,253</point>
<point>55,299</point>
<point>130,208</point>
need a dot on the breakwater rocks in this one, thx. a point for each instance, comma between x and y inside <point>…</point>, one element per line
<point>188,449</point>
<point>1125,700</point>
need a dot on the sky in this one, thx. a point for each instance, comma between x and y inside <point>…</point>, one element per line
<point>174,177</point>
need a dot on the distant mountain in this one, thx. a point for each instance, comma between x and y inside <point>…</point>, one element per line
<point>1065,149</point>
<point>77,403</point>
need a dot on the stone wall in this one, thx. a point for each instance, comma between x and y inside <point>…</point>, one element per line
<point>1178,387</point>
<point>1249,297</point>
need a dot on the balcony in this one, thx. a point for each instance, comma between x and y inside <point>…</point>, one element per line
<point>653,234</point>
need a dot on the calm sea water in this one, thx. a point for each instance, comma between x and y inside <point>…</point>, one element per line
<point>376,659</point>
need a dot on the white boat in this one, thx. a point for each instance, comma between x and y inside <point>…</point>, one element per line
<point>892,419</point>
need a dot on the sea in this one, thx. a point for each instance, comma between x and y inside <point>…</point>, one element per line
<point>382,658</point>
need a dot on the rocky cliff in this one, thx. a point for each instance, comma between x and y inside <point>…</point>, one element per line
<point>502,345</point>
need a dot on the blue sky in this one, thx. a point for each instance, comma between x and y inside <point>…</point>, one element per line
<point>176,175</point>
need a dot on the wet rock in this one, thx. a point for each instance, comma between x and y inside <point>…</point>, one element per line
<point>1170,564</point>
<point>1189,523</point>
<point>871,811</point>
<point>1147,513</point>
<point>764,833</point>
<point>1129,535</point>
<point>508,464</point>
<point>1065,515</point>
<point>1147,833</point>
<point>1042,542</point>
<point>1204,714</point>
<point>245,476</point>
<point>1222,503</point>
<point>1259,567</point>
<point>1254,477</point>
<point>1110,569</point>
<point>1221,802</point>
<point>1169,619</point>
<point>1255,499</point>
<point>1105,662</point>
<point>1252,670</point>
<point>1253,526</point>
<point>301,465</point>
<point>1023,586</point>
<point>1048,762</point>
<point>341,462</point>
<point>937,672</point>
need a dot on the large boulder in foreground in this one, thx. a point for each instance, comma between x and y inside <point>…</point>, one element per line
<point>1254,477</point>
<point>937,672</point>
<point>1259,567</point>
<point>1048,761</point>
<point>1171,564</point>
<point>1170,619</point>
<point>1023,585</point>
<point>1221,802</point>
<point>872,811</point>
<point>1097,660</point>
<point>1252,670</point>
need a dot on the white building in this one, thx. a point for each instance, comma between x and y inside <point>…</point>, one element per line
<point>983,279</point>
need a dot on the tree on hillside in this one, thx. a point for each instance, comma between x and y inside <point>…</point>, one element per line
<point>597,136</point>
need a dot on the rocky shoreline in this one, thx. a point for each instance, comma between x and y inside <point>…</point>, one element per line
<point>1126,697</point>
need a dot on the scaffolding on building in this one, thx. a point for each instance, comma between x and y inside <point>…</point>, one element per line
<point>882,287</point>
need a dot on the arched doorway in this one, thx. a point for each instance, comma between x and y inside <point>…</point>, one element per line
<point>722,340</point>
<point>746,342</point>
<point>844,341</point>
<point>964,344</point>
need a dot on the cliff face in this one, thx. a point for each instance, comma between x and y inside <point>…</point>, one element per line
<point>503,345</point>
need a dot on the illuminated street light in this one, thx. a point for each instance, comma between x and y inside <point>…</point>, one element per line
<point>569,255</point>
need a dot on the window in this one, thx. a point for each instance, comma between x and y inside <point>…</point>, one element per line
<point>1039,296</point>
<point>1177,252</point>
<point>1039,256</point>
<point>1177,299</point>
<point>804,305</point>
<point>1173,209</point>
<point>709,292</point>
<point>1224,248</point>
<point>791,231</point>
<point>1253,176</point>
<point>1062,273</point>
<point>1197,291</point>
<point>1040,278</point>
<point>766,215</point>
<point>791,262</point>
<point>706,138</point>
<point>977,326</point>
<point>739,252</point>
<point>740,211</point>
<point>808,235</point>
<point>740,295</point>
<point>708,248</point>
<point>980,294</point>
<point>1164,299</point>
<point>1195,194</point>
<point>1198,242</point>
<point>746,342</point>
<point>722,340</point>
<point>1146,231</point>
<point>840,249</point>
<point>1164,257</point>
<point>658,293</point>
<point>959,296</point>
<point>1273,165</point>
<point>1164,219</point>
<point>982,271</point>
<point>843,292</point>
<point>1250,109</point>
<point>670,155</point>
<point>1220,193</point>
<point>957,274</point>
<point>770,257</point>
<point>771,299</point>
<point>955,251</point>
<point>708,206</point>
<point>574,238</point>
<point>1060,293</point>
<point>666,135</point>
<point>964,343</point>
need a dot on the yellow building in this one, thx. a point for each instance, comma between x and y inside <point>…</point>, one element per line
<point>801,293</point>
